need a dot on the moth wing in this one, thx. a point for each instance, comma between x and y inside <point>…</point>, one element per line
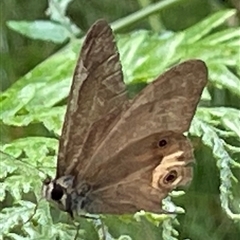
<point>97,87</point>
<point>167,104</point>
<point>142,175</point>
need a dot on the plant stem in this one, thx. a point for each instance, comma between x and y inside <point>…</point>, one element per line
<point>141,14</point>
<point>155,19</point>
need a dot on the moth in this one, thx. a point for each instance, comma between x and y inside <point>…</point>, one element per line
<point>116,155</point>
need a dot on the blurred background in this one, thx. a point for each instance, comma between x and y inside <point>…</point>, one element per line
<point>20,54</point>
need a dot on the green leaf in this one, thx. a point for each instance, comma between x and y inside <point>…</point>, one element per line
<point>37,91</point>
<point>31,161</point>
<point>222,77</point>
<point>40,30</point>
<point>199,30</point>
<point>227,118</point>
<point>223,37</point>
<point>211,139</point>
<point>57,12</point>
<point>142,55</point>
<point>57,9</point>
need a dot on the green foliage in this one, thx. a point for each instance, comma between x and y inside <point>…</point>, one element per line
<point>38,98</point>
<point>57,30</point>
<point>44,30</point>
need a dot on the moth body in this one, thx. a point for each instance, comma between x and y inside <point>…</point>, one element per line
<point>60,192</point>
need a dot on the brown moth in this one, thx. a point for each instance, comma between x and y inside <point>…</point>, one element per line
<point>119,156</point>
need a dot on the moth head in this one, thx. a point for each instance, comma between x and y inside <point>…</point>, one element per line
<point>58,192</point>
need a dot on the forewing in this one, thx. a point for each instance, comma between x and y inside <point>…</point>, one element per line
<point>97,87</point>
<point>141,175</point>
<point>167,104</point>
